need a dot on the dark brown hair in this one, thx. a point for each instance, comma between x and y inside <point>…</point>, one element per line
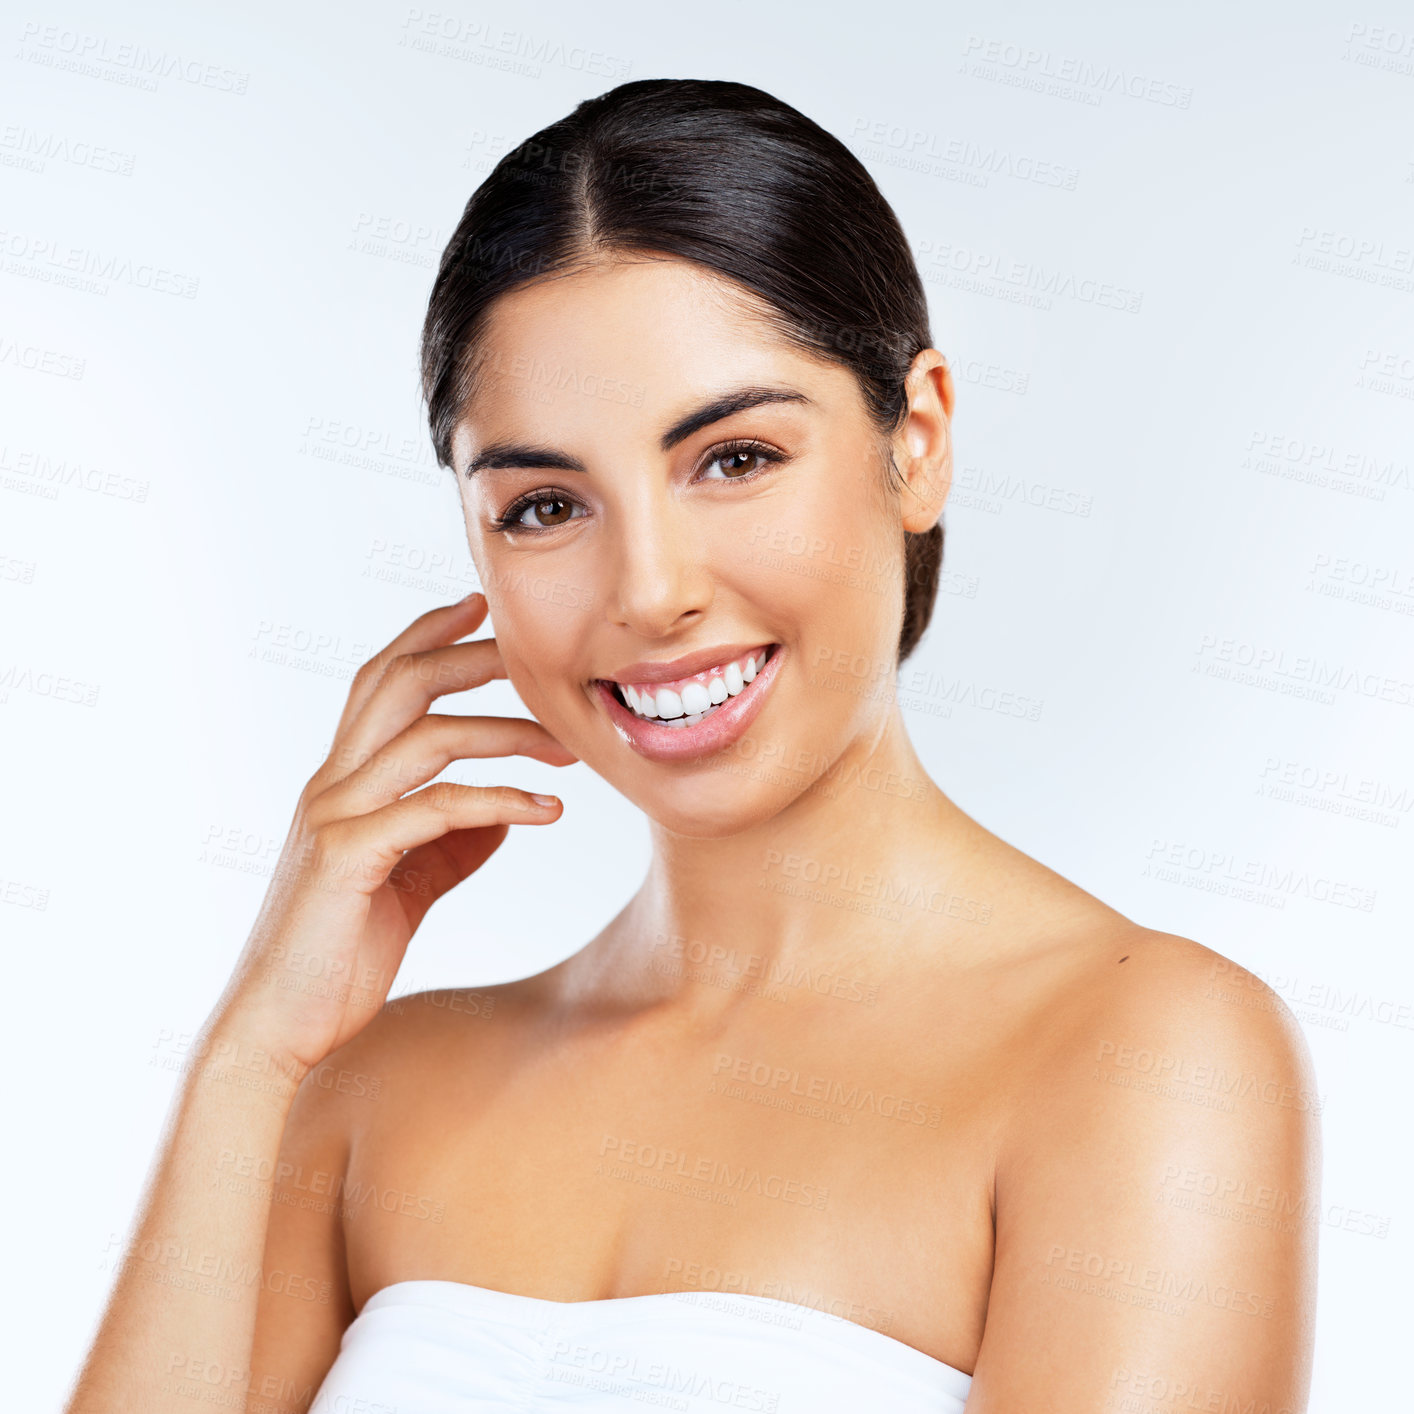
<point>718,173</point>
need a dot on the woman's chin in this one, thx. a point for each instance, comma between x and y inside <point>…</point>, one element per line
<point>714,807</point>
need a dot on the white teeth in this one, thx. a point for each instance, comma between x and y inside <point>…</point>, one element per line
<point>696,700</point>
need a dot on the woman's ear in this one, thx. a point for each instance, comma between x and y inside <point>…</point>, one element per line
<point>922,447</point>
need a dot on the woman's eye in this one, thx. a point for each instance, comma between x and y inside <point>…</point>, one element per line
<point>550,511</point>
<point>739,461</point>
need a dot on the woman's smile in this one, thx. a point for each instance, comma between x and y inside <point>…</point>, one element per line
<point>693,715</point>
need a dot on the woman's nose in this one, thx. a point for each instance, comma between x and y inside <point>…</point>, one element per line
<point>661,573</point>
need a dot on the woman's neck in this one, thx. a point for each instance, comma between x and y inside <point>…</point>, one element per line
<point>871,857</point>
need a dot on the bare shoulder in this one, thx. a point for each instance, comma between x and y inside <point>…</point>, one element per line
<point>1158,1183</point>
<point>367,1089</point>
<point>1138,1030</point>
<point>417,1029</point>
<point>1171,1012</point>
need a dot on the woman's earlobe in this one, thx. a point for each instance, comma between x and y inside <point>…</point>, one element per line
<point>926,480</point>
<point>923,506</point>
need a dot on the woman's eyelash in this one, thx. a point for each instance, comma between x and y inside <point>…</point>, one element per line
<point>767,454</point>
<point>508,518</point>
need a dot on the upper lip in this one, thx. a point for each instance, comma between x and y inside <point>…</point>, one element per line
<point>652,670</point>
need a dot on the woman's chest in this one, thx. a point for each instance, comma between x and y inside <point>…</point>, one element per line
<point>836,1171</point>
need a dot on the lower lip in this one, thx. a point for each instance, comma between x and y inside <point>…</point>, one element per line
<point>711,734</point>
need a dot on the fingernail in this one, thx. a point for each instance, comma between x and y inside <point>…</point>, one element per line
<point>475,594</point>
<point>544,799</point>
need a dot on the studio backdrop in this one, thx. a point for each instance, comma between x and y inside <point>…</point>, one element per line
<point>1168,255</point>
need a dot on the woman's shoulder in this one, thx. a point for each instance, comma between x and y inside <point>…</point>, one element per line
<point>1157,1150</point>
<point>1087,986</point>
<point>1072,983</point>
<point>1175,999</point>
<point>413,1036</point>
<point>1157,1042</point>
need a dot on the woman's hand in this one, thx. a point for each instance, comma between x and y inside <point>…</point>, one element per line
<point>364,859</point>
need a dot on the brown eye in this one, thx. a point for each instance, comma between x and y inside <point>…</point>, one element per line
<point>551,511</point>
<point>741,463</point>
<point>539,506</point>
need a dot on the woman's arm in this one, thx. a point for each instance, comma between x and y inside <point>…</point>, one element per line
<point>182,1308</point>
<point>1156,1209</point>
<point>305,1304</point>
<point>363,863</point>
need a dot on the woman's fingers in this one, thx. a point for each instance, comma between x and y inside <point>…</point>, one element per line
<point>387,743</point>
<point>423,749</point>
<point>433,629</point>
<point>361,851</point>
<point>408,685</point>
<point>436,868</point>
<point>365,859</point>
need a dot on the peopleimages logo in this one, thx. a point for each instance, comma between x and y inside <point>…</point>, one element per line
<point>631,1155</point>
<point>493,45</point>
<point>827,1089</point>
<point>57,262</point>
<point>136,65</point>
<point>1130,1282</point>
<point>1026,66</point>
<point>1180,1072</point>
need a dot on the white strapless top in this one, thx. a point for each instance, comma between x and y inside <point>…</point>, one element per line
<point>442,1347</point>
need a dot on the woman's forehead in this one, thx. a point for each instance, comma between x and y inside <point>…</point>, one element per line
<point>636,338</point>
<point>628,301</point>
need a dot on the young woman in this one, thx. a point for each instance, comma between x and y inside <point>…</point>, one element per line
<point>852,1104</point>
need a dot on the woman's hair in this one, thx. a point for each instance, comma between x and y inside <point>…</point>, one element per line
<point>718,173</point>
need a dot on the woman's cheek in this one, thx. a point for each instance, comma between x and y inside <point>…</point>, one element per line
<point>830,574</point>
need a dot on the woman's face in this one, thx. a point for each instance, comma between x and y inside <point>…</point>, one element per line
<point>660,505</point>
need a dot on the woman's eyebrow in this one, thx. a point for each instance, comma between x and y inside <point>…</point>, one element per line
<point>501,455</point>
<point>518,454</point>
<point>737,400</point>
